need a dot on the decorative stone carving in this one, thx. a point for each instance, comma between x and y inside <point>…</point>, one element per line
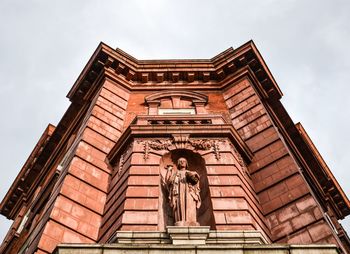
<point>183,189</point>
<point>201,144</point>
<point>216,149</point>
<point>159,144</point>
<point>207,144</point>
<point>181,142</point>
<point>240,161</point>
<point>239,157</point>
<point>121,164</point>
<point>123,157</point>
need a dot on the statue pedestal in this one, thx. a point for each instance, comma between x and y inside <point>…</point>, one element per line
<point>190,235</point>
<point>181,235</point>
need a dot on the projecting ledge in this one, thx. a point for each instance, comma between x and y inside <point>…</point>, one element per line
<point>194,249</point>
<point>189,235</point>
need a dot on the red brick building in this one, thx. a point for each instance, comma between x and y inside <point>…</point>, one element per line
<point>99,173</point>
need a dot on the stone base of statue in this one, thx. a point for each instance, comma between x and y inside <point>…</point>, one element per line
<point>187,224</point>
<point>183,235</point>
<point>189,236</point>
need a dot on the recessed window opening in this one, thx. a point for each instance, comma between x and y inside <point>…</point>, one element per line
<point>176,111</point>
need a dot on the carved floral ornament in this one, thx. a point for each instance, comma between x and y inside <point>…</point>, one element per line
<point>181,142</point>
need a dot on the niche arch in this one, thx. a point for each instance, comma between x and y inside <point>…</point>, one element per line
<point>205,216</point>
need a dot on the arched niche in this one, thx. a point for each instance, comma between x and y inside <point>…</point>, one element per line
<point>176,101</point>
<point>196,163</point>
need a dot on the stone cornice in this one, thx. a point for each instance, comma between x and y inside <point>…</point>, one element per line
<point>189,73</point>
<point>330,185</point>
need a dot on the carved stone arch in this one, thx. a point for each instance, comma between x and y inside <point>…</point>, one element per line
<point>198,100</point>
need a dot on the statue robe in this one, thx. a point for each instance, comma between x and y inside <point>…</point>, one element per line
<point>184,197</point>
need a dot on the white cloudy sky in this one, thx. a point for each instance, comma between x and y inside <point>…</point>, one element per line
<point>45,44</point>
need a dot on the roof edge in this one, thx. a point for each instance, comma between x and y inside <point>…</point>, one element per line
<point>45,136</point>
<point>319,157</point>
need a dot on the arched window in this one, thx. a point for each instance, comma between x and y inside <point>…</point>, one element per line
<point>176,103</point>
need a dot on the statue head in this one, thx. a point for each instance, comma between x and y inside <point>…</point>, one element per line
<point>182,163</point>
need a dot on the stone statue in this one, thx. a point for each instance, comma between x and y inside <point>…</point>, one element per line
<point>184,198</point>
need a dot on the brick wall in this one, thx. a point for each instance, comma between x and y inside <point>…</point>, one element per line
<point>292,213</point>
<point>235,205</point>
<point>132,201</point>
<point>77,211</point>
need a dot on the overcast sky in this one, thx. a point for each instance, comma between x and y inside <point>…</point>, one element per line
<point>45,44</point>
